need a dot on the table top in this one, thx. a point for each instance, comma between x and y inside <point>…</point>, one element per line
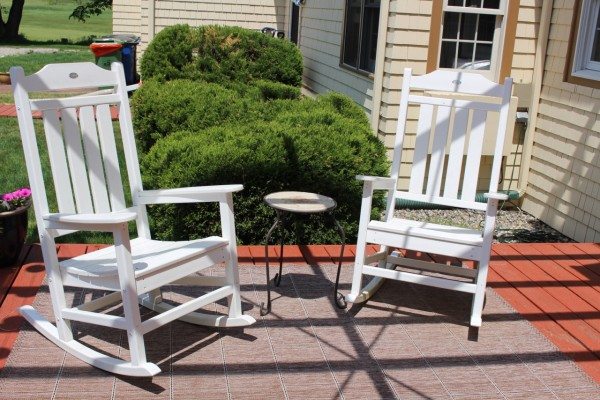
<point>300,202</point>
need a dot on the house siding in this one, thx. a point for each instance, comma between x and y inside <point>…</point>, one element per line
<point>127,17</point>
<point>251,14</point>
<point>564,176</point>
<point>320,41</point>
<point>407,44</point>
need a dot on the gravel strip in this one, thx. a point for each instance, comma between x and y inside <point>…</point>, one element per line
<point>512,225</point>
<point>11,51</point>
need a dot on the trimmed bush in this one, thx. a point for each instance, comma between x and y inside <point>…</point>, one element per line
<point>161,108</point>
<point>220,54</point>
<point>170,54</point>
<point>317,146</point>
<point>277,91</point>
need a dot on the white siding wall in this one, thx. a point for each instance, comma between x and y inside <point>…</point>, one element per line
<point>321,27</point>
<point>406,47</point>
<point>564,177</point>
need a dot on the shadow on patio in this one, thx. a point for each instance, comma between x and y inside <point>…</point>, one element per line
<point>407,342</point>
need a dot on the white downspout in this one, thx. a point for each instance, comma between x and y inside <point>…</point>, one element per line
<point>538,74</point>
<point>384,13</point>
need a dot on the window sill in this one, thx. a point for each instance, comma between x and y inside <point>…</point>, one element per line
<point>585,78</point>
<point>587,74</point>
<point>363,74</point>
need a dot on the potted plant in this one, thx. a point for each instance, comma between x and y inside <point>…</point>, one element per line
<point>13,224</point>
<point>4,78</point>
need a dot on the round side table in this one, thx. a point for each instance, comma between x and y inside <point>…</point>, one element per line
<point>285,203</point>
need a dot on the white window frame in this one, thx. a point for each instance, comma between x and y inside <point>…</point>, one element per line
<point>583,66</point>
<point>497,40</point>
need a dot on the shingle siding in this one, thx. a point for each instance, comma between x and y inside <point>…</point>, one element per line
<point>563,188</point>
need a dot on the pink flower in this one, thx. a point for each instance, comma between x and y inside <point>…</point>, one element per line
<point>8,197</point>
<point>13,200</point>
<point>24,192</point>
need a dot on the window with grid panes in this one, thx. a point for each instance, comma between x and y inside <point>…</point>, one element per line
<point>471,34</point>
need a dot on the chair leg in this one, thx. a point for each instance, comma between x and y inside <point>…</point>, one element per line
<point>135,336</point>
<point>479,295</point>
<point>56,288</point>
<point>234,301</point>
<point>129,295</point>
<point>357,276</point>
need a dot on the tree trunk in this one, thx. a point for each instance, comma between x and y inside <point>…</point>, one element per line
<point>9,30</point>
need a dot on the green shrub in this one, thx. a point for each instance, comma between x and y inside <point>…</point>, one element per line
<point>169,54</point>
<point>161,108</point>
<point>220,54</point>
<point>307,145</point>
<point>270,90</point>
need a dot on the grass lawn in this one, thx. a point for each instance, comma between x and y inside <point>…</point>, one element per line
<point>48,20</point>
<point>33,62</point>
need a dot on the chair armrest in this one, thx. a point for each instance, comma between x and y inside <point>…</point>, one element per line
<point>378,182</point>
<point>93,222</point>
<point>496,196</point>
<point>195,194</point>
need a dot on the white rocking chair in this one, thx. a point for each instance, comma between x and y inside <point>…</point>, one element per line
<point>452,109</point>
<point>90,196</point>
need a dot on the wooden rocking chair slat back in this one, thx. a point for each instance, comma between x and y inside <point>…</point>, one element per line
<point>81,143</point>
<point>58,161</point>
<point>449,139</point>
<point>84,159</point>
<point>111,161</point>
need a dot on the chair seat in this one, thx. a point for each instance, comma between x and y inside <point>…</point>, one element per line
<point>426,230</point>
<point>147,255</point>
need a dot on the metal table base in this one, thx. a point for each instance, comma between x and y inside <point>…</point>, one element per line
<point>284,209</point>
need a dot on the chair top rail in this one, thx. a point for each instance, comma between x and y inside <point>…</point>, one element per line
<point>71,102</point>
<point>457,81</point>
<point>445,102</point>
<point>82,75</point>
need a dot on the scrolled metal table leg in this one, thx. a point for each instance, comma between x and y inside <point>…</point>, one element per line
<point>264,310</point>
<point>339,299</point>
